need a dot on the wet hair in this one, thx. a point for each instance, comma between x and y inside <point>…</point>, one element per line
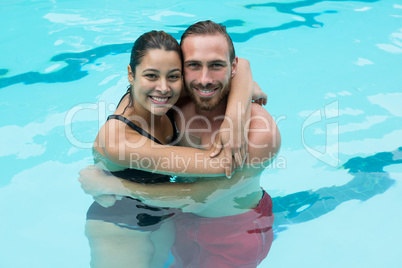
<point>146,42</point>
<point>208,27</point>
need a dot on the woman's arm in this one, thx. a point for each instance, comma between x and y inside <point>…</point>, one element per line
<point>125,147</point>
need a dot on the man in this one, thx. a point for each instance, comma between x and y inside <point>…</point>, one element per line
<point>209,64</point>
<point>228,222</point>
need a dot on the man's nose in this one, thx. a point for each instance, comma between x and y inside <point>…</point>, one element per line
<point>205,78</point>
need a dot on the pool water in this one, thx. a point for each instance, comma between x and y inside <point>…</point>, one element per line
<point>333,74</point>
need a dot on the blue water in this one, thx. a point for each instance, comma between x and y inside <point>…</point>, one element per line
<point>333,74</point>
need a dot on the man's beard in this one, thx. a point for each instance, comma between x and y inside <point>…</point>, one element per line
<point>208,104</point>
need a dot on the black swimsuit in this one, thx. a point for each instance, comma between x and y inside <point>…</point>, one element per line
<point>129,212</point>
<point>140,176</point>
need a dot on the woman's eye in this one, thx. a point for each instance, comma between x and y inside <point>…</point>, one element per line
<point>151,76</point>
<point>174,77</point>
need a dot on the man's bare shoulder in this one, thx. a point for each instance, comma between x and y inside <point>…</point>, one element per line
<point>257,109</point>
<point>264,139</point>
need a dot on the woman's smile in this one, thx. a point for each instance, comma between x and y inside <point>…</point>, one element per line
<point>159,100</point>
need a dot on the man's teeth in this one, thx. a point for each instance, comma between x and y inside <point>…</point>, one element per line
<point>206,91</point>
<point>159,99</point>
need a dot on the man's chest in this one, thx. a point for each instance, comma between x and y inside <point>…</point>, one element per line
<point>197,131</point>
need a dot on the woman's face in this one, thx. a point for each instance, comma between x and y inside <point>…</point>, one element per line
<point>157,82</point>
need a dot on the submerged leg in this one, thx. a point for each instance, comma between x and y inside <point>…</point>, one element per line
<point>163,239</point>
<point>114,246</point>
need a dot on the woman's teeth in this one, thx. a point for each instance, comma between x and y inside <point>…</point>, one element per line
<point>159,99</point>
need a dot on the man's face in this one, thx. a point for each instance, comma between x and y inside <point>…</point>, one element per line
<point>207,69</point>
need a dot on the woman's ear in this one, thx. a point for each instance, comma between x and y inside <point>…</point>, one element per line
<point>130,74</point>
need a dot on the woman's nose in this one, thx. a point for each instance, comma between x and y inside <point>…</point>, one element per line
<point>163,87</point>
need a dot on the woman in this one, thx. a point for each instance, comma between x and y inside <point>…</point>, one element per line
<point>119,234</point>
<point>130,232</point>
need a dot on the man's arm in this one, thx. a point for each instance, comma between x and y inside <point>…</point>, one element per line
<point>232,135</point>
<point>238,110</point>
<point>264,138</point>
<point>106,189</point>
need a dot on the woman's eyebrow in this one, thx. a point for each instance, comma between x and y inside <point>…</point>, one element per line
<point>150,69</point>
<point>157,71</point>
<point>175,70</point>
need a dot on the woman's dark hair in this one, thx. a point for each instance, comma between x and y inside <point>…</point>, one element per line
<point>146,42</point>
<point>208,27</point>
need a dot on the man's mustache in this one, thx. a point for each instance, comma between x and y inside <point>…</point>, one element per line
<point>205,87</point>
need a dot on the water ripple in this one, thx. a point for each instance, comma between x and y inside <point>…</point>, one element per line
<point>75,61</point>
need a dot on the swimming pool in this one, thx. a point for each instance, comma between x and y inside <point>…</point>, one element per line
<point>332,71</point>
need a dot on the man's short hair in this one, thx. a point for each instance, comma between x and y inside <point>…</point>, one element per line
<point>208,27</point>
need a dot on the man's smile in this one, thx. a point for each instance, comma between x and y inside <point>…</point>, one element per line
<point>206,92</point>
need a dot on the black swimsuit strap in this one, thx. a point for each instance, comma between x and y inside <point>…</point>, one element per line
<point>169,114</point>
<point>133,126</point>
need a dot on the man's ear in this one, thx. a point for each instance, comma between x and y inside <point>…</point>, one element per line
<point>130,74</point>
<point>234,66</point>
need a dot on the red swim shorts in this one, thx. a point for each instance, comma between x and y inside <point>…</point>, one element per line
<point>240,241</point>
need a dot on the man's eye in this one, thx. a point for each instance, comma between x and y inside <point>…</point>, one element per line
<point>192,65</point>
<point>216,65</point>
